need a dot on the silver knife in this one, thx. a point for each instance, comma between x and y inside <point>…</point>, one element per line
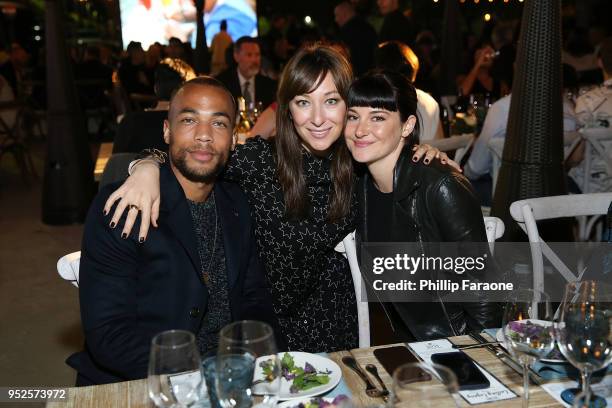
<point>506,358</point>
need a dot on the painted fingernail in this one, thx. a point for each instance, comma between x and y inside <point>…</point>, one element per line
<point>105,212</point>
<point>141,240</point>
<point>426,161</point>
<point>123,235</point>
<point>112,224</point>
<point>415,159</point>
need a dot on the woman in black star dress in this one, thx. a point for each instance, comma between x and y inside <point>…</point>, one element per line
<point>300,188</point>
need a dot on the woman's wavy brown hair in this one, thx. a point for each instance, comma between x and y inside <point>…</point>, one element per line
<point>303,74</point>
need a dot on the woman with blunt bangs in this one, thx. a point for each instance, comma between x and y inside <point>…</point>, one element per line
<point>404,201</point>
<point>300,188</point>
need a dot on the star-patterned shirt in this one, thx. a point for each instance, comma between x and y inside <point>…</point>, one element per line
<point>311,283</point>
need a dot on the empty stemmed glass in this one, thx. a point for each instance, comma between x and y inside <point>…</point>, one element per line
<point>256,346</point>
<point>584,330</point>
<point>175,372</point>
<point>423,385</point>
<point>528,330</point>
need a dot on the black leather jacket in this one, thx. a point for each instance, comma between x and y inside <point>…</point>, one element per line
<point>432,203</point>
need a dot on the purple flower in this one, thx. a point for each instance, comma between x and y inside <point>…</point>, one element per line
<point>309,369</point>
<point>339,399</point>
<point>287,375</point>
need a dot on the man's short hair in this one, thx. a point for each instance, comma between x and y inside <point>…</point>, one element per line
<point>169,74</point>
<point>244,40</point>
<point>605,54</point>
<point>134,46</point>
<point>206,80</point>
<point>223,25</point>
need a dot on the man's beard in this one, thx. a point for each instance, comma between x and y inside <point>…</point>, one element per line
<point>202,176</point>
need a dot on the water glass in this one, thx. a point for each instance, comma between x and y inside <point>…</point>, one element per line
<point>234,377</point>
<point>257,338</point>
<point>422,386</point>
<point>175,373</point>
<point>209,368</point>
<point>528,330</point>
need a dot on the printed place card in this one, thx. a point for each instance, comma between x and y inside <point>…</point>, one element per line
<point>495,392</point>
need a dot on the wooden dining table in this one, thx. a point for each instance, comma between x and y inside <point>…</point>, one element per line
<point>133,394</point>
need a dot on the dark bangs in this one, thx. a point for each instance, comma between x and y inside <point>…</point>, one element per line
<point>373,91</point>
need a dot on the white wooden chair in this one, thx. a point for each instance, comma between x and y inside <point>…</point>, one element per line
<point>459,143</point>
<point>527,212</point>
<point>348,248</point>
<point>68,267</point>
<point>495,230</point>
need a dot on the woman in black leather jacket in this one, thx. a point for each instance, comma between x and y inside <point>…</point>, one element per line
<point>404,201</point>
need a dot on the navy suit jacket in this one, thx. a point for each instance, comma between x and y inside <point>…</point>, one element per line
<point>130,291</point>
<point>265,88</point>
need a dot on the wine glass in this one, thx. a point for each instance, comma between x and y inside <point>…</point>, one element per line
<point>528,330</point>
<point>256,339</point>
<point>422,385</point>
<point>175,373</point>
<point>584,331</point>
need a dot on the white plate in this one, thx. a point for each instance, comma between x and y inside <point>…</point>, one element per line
<point>293,403</point>
<point>300,359</point>
<point>499,336</point>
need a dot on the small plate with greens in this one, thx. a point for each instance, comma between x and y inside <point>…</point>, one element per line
<point>303,375</point>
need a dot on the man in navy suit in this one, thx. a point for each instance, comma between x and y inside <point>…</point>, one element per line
<point>198,270</point>
<point>244,79</point>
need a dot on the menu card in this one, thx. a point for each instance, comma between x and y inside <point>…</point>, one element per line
<point>496,391</point>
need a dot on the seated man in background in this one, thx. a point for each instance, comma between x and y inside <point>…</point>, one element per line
<point>143,130</point>
<point>244,79</point>
<point>198,270</point>
<point>479,167</point>
<point>397,56</point>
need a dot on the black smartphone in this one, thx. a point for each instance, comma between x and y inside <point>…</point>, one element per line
<point>392,357</point>
<point>468,375</point>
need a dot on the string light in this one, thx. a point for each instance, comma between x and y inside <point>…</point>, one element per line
<point>487,17</point>
<point>476,1</point>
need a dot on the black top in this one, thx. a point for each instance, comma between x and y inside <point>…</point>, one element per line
<point>311,284</point>
<point>380,210</point>
<point>209,236</point>
<point>141,130</point>
<point>360,38</point>
<point>397,27</point>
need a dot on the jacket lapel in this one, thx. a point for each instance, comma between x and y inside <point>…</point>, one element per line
<point>229,217</point>
<point>174,204</point>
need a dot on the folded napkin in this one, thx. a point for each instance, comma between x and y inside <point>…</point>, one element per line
<point>341,389</point>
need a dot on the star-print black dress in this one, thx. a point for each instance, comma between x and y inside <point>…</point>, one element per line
<point>311,283</point>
